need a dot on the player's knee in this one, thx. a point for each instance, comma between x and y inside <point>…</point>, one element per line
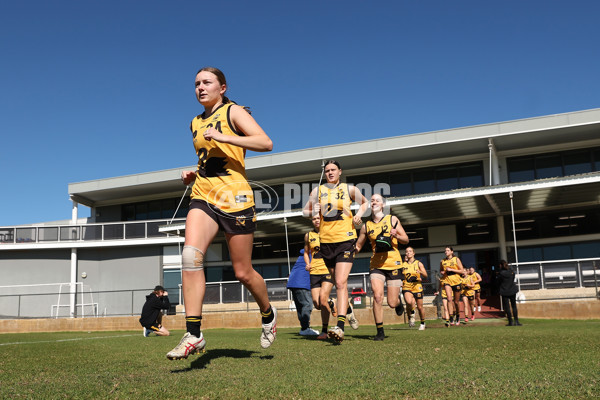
<point>244,275</point>
<point>192,259</point>
<point>378,298</point>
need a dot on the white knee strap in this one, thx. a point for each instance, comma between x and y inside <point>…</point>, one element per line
<point>192,259</point>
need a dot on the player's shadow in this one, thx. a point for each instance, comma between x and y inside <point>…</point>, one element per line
<point>204,359</point>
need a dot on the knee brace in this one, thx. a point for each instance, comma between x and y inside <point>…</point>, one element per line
<point>192,259</point>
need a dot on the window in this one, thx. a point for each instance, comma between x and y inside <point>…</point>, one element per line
<point>446,178</point>
<point>552,165</point>
<point>470,176</point>
<point>400,184</point>
<point>577,162</point>
<point>521,169</point>
<point>597,160</point>
<point>548,166</point>
<point>424,182</point>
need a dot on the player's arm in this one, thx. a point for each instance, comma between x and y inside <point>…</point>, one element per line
<point>477,278</point>
<point>306,252</point>
<point>398,231</point>
<point>422,270</point>
<point>361,200</point>
<point>254,138</point>
<point>362,237</point>
<point>312,206</point>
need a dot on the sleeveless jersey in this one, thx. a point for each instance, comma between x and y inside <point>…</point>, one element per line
<point>453,278</point>
<point>389,260</point>
<point>466,291</point>
<point>221,175</point>
<point>336,217</point>
<point>317,264</point>
<point>412,269</point>
<point>473,277</point>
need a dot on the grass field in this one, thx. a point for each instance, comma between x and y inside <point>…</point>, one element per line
<point>544,359</point>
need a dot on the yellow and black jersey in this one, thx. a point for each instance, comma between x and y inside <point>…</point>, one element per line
<point>221,175</point>
<point>473,279</point>
<point>317,264</point>
<point>412,276</point>
<point>467,291</point>
<point>383,260</point>
<point>452,278</point>
<point>336,217</point>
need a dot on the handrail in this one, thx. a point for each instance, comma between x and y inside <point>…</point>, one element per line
<point>122,230</point>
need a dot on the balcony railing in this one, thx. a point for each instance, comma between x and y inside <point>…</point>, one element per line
<point>84,232</point>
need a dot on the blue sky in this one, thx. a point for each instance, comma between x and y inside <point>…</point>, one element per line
<point>94,89</point>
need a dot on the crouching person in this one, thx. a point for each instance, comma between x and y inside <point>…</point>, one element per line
<point>151,318</point>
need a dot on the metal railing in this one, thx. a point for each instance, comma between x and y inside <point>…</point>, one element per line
<point>84,232</point>
<point>230,296</point>
<point>233,296</point>
<point>574,273</point>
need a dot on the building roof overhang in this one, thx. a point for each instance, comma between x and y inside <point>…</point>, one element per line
<point>473,203</point>
<point>509,138</point>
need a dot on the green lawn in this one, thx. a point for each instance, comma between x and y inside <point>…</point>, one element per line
<point>544,359</point>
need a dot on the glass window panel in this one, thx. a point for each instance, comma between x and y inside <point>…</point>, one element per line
<point>214,274</point>
<point>7,235</point>
<point>129,212</point>
<point>527,254</point>
<point>521,169</point>
<point>446,178</point>
<point>400,184</point>
<point>183,209</point>
<point>154,209</point>
<point>424,182</point>
<point>597,160</point>
<point>586,250</point>
<point>69,233</point>
<point>468,259</point>
<point>361,265</point>
<point>141,211</point>
<point>356,179</point>
<point>470,176</point>
<point>152,229</point>
<point>577,162</point>
<point>270,271</point>
<point>48,234</point>
<point>558,252</point>
<point>548,166</point>
<point>171,281</point>
<point>168,208</point>
<point>135,230</point>
<point>113,231</point>
<point>92,232</point>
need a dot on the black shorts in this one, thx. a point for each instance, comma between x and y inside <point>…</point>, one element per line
<point>334,253</point>
<point>455,288</point>
<point>317,280</point>
<point>235,223</point>
<point>477,291</point>
<point>416,295</point>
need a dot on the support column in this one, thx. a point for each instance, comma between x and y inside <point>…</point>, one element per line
<point>73,291</point>
<point>73,294</point>
<point>494,166</point>
<point>502,237</point>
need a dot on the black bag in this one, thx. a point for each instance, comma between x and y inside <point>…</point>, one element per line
<point>383,243</point>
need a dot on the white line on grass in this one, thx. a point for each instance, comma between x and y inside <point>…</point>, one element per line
<point>66,340</point>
